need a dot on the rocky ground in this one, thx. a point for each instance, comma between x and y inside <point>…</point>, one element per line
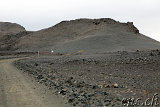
<point>99,80</point>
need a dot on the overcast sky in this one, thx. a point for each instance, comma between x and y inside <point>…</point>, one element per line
<point>40,14</point>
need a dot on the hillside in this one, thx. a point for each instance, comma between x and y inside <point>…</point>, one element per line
<point>90,35</point>
<point>10,28</point>
<point>8,41</point>
<point>9,35</point>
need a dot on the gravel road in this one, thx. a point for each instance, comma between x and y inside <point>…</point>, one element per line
<point>19,90</point>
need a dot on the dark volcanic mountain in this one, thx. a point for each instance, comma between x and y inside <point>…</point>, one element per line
<point>10,28</point>
<point>89,35</point>
<point>10,33</point>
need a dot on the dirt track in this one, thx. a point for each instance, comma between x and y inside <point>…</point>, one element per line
<point>17,90</point>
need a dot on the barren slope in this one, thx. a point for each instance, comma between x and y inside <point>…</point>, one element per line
<point>8,41</point>
<point>10,28</point>
<point>90,35</point>
<point>10,34</point>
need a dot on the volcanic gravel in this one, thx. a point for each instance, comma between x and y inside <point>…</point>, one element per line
<point>98,80</point>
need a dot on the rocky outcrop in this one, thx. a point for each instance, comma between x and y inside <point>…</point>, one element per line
<point>132,27</point>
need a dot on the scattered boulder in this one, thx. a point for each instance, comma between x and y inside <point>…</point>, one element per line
<point>115,85</point>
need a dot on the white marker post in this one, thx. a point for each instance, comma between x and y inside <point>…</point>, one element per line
<point>52,51</point>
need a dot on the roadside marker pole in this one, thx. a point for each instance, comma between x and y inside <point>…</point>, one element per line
<point>38,53</point>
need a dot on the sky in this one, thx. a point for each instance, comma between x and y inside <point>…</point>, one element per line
<point>39,14</point>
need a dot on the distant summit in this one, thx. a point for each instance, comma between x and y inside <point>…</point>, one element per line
<point>99,22</point>
<point>10,28</point>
